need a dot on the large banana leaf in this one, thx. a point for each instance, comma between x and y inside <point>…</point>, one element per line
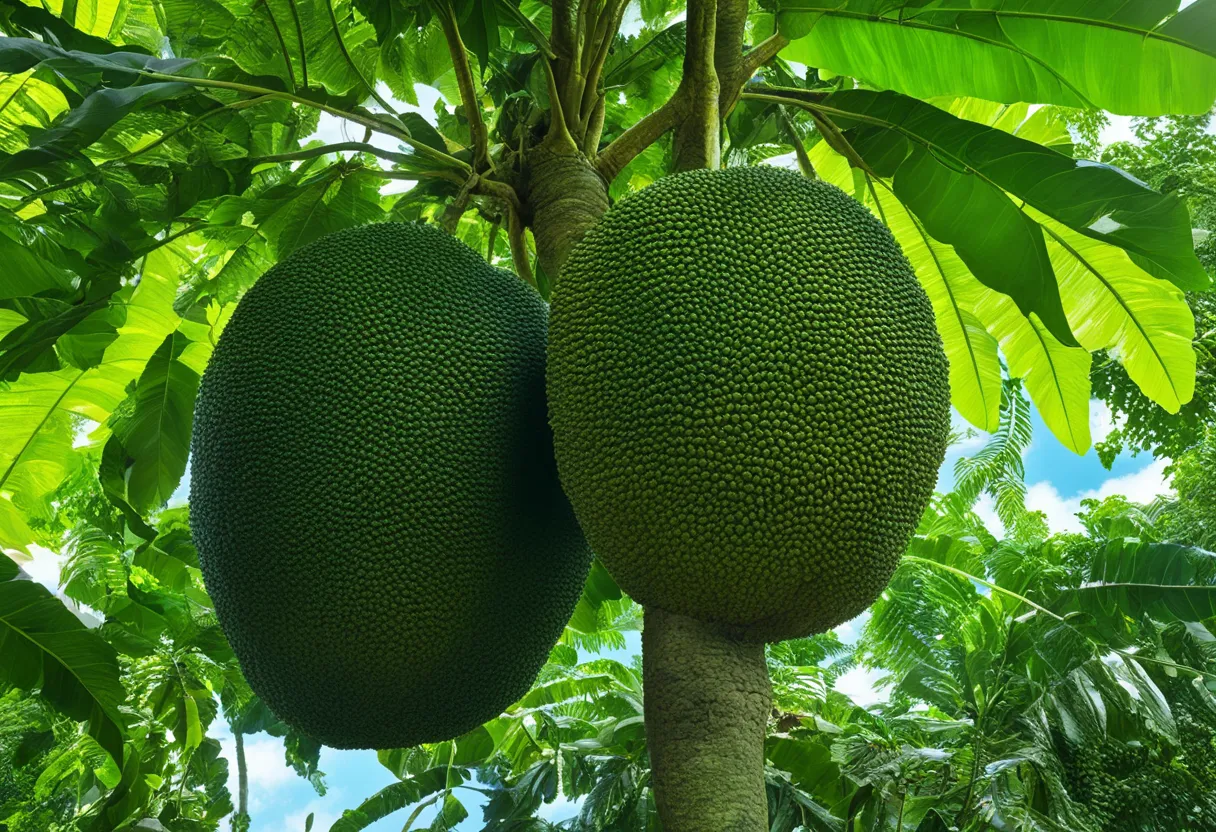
<point>1136,58</point>
<point>990,222</point>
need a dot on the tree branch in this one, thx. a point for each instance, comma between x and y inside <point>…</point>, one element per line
<point>379,126</point>
<point>451,217</point>
<point>606,27</point>
<point>321,150</point>
<point>749,63</point>
<point>468,92</point>
<point>501,191</point>
<point>559,132</point>
<point>730,23</point>
<point>696,144</point>
<point>519,246</point>
<point>625,147</point>
<point>595,128</point>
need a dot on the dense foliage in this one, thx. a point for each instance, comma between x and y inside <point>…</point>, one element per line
<point>157,156</point>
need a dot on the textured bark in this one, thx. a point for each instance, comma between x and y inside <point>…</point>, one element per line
<point>241,820</point>
<point>565,196</point>
<point>728,51</point>
<point>697,138</point>
<point>707,703</point>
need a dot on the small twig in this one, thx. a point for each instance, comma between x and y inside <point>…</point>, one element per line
<point>333,20</point>
<point>312,152</point>
<point>804,161</point>
<point>415,176</point>
<point>493,239</point>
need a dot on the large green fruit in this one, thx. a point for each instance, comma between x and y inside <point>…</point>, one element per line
<point>749,399</point>
<point>374,499</point>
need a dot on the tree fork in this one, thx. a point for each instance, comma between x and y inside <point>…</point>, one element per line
<point>565,197</point>
<point>707,702</point>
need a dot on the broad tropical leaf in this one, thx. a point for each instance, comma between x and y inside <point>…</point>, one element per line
<point>1069,52</point>
<point>46,648</point>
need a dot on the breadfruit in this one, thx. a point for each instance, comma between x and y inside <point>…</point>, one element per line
<point>374,498</point>
<point>749,399</point>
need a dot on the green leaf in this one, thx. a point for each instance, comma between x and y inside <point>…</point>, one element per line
<point>86,123</point>
<point>1131,578</point>
<point>1114,305</point>
<point>810,765</point>
<point>392,798</point>
<point>156,424</point>
<point>36,411</point>
<point>46,648</point>
<point>27,104</point>
<point>1056,376</point>
<point>975,369</point>
<point>1116,209</point>
<point>1068,52</point>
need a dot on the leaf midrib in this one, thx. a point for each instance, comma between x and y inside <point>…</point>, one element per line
<point>1153,33</point>
<point>5,619</point>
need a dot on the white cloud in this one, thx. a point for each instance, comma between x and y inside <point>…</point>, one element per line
<point>861,685</point>
<point>985,507</point>
<point>1139,487</point>
<point>265,765</point>
<point>850,631</point>
<point>1101,420</point>
<point>44,568</point>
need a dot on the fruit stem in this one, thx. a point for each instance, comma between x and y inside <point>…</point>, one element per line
<point>707,702</point>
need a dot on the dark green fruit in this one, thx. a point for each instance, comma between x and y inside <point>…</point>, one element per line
<point>374,498</point>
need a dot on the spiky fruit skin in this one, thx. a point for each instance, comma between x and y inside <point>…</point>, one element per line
<point>374,498</point>
<point>749,399</point>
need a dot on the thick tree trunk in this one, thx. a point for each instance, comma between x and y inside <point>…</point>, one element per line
<point>565,196</point>
<point>707,703</point>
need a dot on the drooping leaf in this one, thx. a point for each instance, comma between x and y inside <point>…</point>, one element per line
<point>46,648</point>
<point>1068,52</point>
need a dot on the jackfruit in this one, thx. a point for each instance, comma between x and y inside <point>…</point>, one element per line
<point>374,497</point>
<point>749,399</point>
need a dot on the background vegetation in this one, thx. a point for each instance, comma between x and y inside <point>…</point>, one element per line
<point>155,158</point>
